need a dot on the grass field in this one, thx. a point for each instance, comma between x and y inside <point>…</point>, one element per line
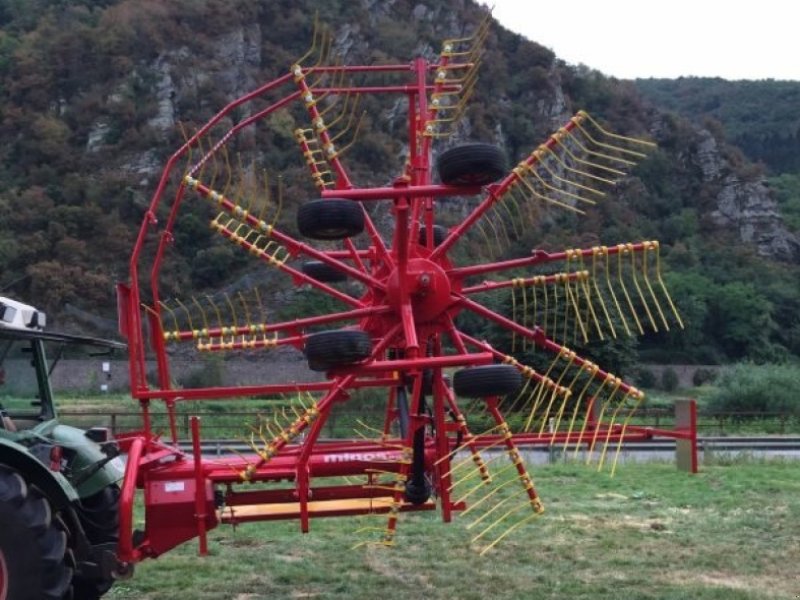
<point>731,532</point>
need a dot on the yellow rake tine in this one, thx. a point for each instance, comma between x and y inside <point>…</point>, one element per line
<point>470,460</point>
<point>608,157</point>
<point>465,445</point>
<point>578,319</point>
<point>610,429</point>
<point>625,292</point>
<point>544,198</point>
<point>496,489</point>
<point>539,153</point>
<point>645,271</point>
<point>566,167</point>
<point>633,140</point>
<point>518,524</point>
<point>505,515</point>
<point>622,433</point>
<point>607,146</point>
<point>639,289</point>
<point>472,473</point>
<point>513,318</point>
<point>571,355</point>
<point>592,369</point>
<point>532,170</point>
<point>595,252</point>
<point>617,384</point>
<point>539,391</point>
<point>663,285</point>
<point>559,138</point>
<point>489,512</point>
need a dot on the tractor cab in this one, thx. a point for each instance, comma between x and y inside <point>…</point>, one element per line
<point>58,484</point>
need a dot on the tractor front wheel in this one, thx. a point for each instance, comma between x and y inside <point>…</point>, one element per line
<point>99,515</point>
<point>33,544</point>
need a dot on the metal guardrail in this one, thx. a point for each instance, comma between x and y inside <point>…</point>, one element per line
<point>225,424</point>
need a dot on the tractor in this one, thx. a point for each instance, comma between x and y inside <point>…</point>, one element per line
<point>59,521</point>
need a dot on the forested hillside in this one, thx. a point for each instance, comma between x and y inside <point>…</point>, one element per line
<point>94,94</point>
<point>760,117</point>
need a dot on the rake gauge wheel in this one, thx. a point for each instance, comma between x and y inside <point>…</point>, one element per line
<point>323,272</point>
<point>330,219</point>
<point>488,380</point>
<point>338,348</point>
<point>439,235</point>
<point>472,164</point>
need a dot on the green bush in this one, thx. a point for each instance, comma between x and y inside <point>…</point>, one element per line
<point>702,376</point>
<point>669,380</point>
<point>645,378</point>
<point>750,388</point>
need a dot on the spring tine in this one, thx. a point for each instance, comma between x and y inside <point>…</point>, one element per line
<point>566,167</point>
<point>588,117</point>
<point>571,356</point>
<point>590,369</point>
<point>513,318</point>
<point>202,316</point>
<point>645,272</point>
<point>536,194</point>
<point>603,144</point>
<point>279,208</point>
<point>354,139</point>
<point>542,160</point>
<point>532,170</point>
<point>657,247</point>
<point>639,398</point>
<point>611,424</point>
<point>508,531</point>
<point>171,313</point>
<point>313,41</point>
<point>498,521</point>
<point>625,290</point>
<point>595,251</point>
<point>559,138</point>
<point>613,159</point>
<point>629,248</point>
<point>615,389</point>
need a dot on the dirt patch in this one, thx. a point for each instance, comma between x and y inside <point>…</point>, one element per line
<point>761,585</point>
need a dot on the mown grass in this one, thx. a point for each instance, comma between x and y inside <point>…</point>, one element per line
<point>729,532</point>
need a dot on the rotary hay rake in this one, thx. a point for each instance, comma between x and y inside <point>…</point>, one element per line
<point>400,333</point>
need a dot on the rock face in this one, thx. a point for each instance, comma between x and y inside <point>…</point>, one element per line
<point>748,207</point>
<point>745,206</point>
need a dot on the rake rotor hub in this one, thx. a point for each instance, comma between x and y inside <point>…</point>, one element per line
<point>427,287</point>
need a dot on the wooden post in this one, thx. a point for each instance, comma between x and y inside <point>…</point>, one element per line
<point>686,446</point>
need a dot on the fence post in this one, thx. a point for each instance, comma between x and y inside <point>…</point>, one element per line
<point>686,446</point>
<point>114,424</point>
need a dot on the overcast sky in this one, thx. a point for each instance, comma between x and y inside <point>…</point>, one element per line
<point>734,39</point>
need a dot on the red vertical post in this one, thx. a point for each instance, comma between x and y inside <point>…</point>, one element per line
<point>686,446</point>
<point>199,488</point>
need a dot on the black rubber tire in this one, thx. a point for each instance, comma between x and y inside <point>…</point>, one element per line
<point>471,164</point>
<point>439,235</point>
<point>33,544</point>
<point>99,516</point>
<point>323,272</point>
<point>487,380</point>
<point>330,219</point>
<point>337,348</point>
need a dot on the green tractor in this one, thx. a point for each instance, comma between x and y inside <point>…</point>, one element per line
<point>58,484</point>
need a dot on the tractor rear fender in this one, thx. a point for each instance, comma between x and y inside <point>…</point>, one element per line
<point>52,484</point>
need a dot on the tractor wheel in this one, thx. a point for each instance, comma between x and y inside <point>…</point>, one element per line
<point>337,348</point>
<point>99,515</point>
<point>33,545</point>
<point>439,234</point>
<point>330,219</point>
<point>471,164</point>
<point>323,272</point>
<point>487,380</point>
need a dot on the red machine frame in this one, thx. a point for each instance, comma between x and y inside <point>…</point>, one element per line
<point>413,296</point>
